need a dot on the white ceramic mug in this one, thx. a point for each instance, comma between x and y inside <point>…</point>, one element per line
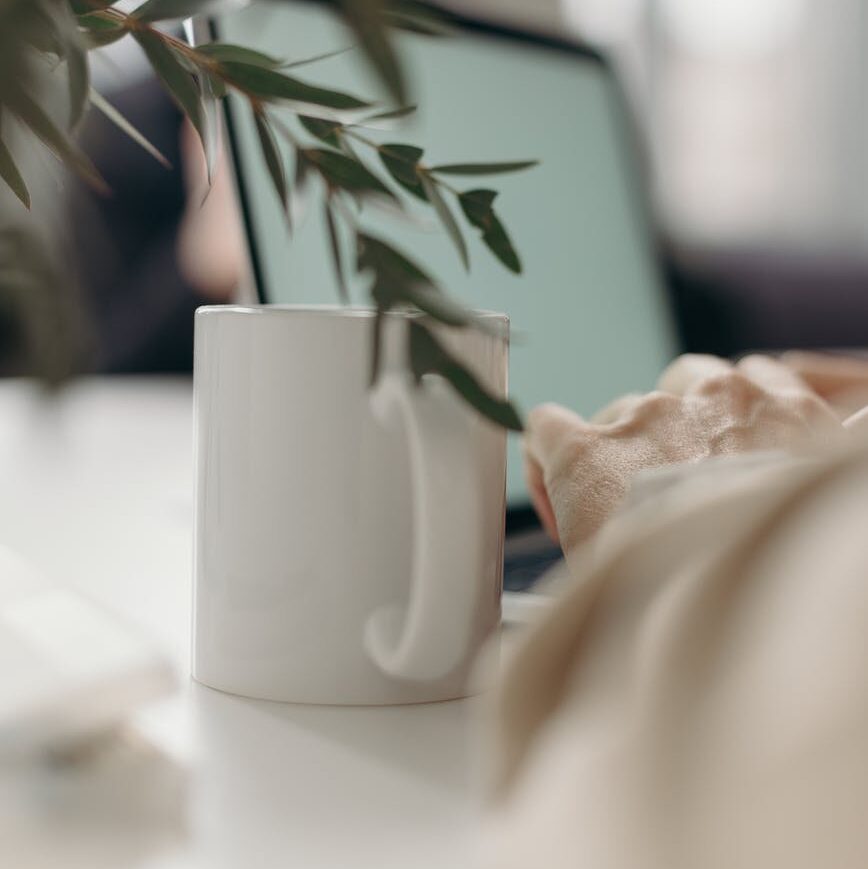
<point>349,542</point>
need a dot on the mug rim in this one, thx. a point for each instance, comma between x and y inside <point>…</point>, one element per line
<point>328,310</point>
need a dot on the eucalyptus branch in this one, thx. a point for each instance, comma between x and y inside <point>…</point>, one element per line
<point>196,78</point>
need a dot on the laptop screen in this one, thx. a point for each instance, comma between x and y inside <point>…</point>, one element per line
<point>589,317</point>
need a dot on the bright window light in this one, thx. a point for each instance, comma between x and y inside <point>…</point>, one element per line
<point>602,20</point>
<point>732,28</point>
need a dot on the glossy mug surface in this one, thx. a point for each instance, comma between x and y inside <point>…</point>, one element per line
<point>348,543</point>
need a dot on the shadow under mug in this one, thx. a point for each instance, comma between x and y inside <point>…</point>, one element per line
<point>348,541</point>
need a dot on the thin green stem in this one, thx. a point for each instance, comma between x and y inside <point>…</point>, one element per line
<point>420,167</point>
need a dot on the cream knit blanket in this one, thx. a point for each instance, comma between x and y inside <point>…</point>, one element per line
<point>698,697</point>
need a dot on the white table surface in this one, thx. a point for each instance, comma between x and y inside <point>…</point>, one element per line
<point>95,490</point>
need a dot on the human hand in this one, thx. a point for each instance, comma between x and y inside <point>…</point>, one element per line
<point>578,472</point>
<point>841,380</point>
<point>210,241</point>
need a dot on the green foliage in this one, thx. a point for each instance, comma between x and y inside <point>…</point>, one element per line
<point>391,114</point>
<point>196,78</point>
<point>37,299</point>
<point>273,159</point>
<point>402,163</point>
<point>103,105</point>
<point>325,131</point>
<point>268,84</point>
<point>345,173</point>
<point>367,22</point>
<point>429,356</point>
<point>101,29</point>
<point>10,174</point>
<point>173,73</point>
<point>44,128</point>
<point>484,168</point>
<point>477,208</point>
<point>435,197</point>
<point>238,53</point>
<point>335,247</point>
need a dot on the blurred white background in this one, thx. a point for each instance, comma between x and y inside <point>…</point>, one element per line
<point>756,114</point>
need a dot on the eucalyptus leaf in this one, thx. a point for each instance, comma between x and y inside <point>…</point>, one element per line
<point>366,19</point>
<point>225,51</point>
<point>335,247</point>
<point>345,173</point>
<point>99,30</point>
<point>102,38</point>
<point>401,162</point>
<point>376,255</point>
<point>216,84</point>
<point>436,304</point>
<point>498,242</point>
<point>273,159</point>
<point>398,281</point>
<point>271,84</point>
<point>476,205</point>
<point>392,114</point>
<point>325,131</point>
<point>178,81</point>
<point>211,122</point>
<point>316,58</point>
<point>35,117</point>
<point>75,53</point>
<point>429,356</point>
<point>188,59</point>
<point>99,21</point>
<point>484,168</point>
<point>443,212</point>
<point>477,208</point>
<point>37,27</point>
<point>79,84</point>
<point>57,33</point>
<point>99,102</point>
<point>300,188</point>
<point>10,174</point>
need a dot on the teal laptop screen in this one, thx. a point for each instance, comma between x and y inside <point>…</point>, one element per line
<point>589,316</point>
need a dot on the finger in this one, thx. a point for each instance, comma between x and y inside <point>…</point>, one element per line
<point>828,374</point>
<point>771,374</point>
<point>618,408</point>
<point>549,429</point>
<point>533,475</point>
<point>687,371</point>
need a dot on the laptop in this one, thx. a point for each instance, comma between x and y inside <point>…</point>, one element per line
<point>590,317</point>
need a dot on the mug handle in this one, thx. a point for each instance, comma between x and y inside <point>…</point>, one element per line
<point>430,636</point>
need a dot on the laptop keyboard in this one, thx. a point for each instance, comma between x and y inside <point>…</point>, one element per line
<point>527,556</point>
